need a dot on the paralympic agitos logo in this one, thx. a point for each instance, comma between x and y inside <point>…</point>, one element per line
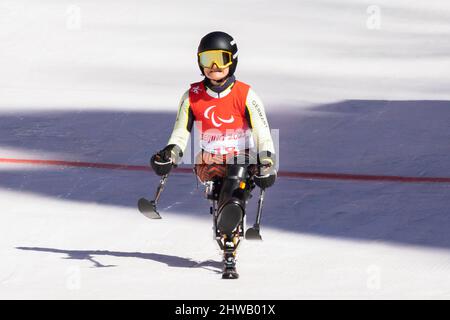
<point>216,120</point>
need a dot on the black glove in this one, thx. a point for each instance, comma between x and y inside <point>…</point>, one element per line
<point>163,161</point>
<point>267,174</point>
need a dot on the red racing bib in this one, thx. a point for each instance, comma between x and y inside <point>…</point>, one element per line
<point>221,121</point>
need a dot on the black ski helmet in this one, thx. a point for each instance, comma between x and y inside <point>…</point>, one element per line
<point>219,40</point>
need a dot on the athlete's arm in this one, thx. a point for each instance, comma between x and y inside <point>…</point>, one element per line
<point>183,123</point>
<point>257,119</point>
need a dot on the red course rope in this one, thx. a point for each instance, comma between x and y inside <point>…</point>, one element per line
<point>288,174</point>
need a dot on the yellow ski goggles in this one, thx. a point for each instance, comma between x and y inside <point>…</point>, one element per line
<point>221,58</point>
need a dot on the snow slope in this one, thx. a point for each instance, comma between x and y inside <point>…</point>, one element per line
<point>346,99</point>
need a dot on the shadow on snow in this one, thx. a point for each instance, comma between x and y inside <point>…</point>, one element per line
<point>366,137</point>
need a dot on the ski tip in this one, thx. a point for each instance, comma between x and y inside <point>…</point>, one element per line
<point>230,276</point>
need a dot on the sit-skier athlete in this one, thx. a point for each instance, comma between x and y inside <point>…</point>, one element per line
<point>237,150</point>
